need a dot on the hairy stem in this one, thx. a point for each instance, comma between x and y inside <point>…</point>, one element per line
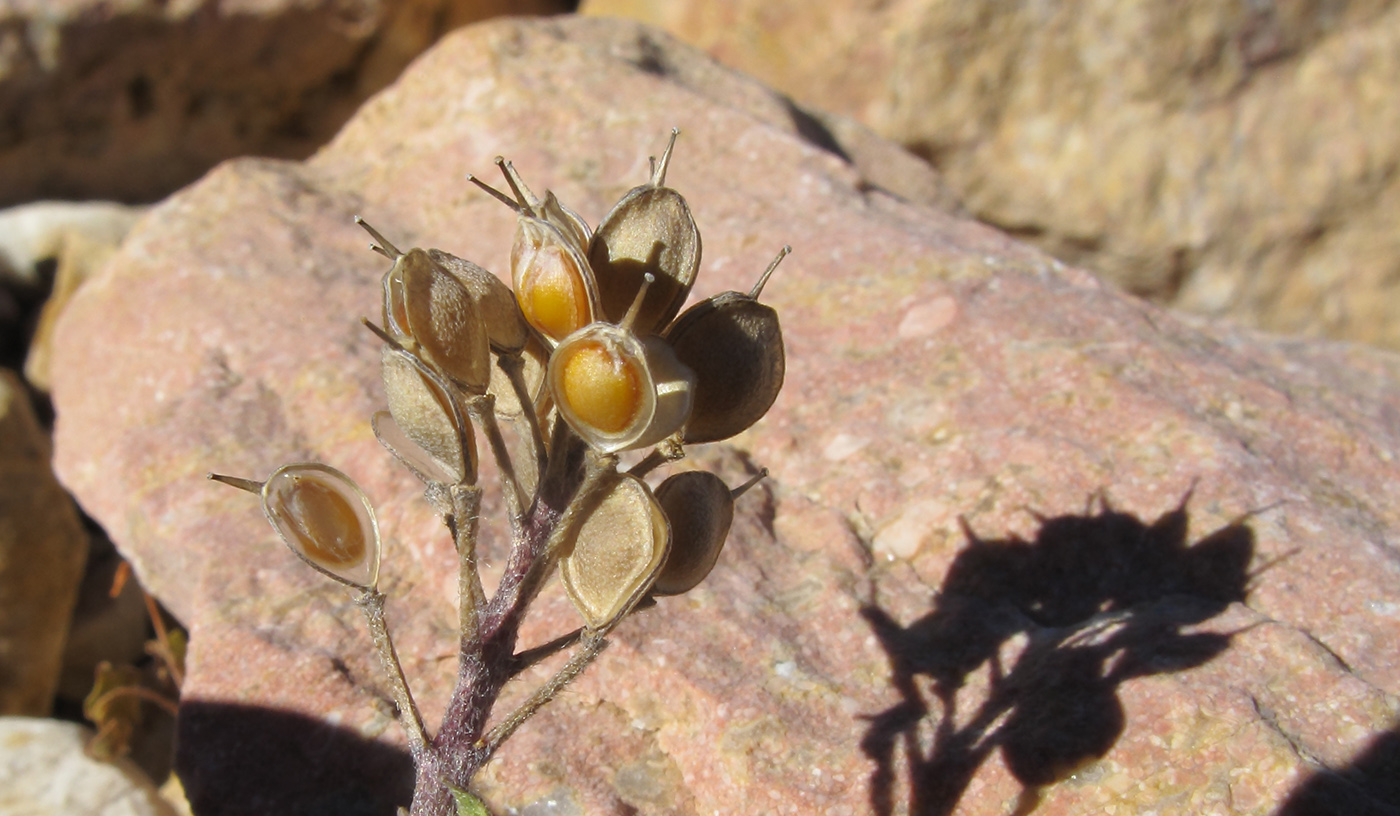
<point>371,602</point>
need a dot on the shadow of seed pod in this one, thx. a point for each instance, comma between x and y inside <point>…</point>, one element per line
<point>326,520</point>
<point>618,391</point>
<point>734,345</point>
<point>649,232</point>
<point>616,551</point>
<point>443,320</point>
<point>423,407</point>
<point>495,302</point>
<point>700,508</point>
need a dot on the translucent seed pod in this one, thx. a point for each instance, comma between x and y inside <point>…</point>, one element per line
<point>409,453</point>
<point>650,231</point>
<point>574,228</point>
<point>443,320</point>
<point>700,508</point>
<point>495,302</point>
<point>325,518</point>
<point>423,407</point>
<point>734,345</point>
<point>618,391</point>
<point>553,283</point>
<point>616,551</point>
<point>548,260</point>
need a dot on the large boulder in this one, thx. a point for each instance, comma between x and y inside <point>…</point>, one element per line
<point>1233,159</point>
<point>133,100</point>
<point>42,550</point>
<point>1026,539</point>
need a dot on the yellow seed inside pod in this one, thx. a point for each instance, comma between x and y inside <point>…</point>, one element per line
<point>327,526</point>
<point>554,298</point>
<point>601,387</point>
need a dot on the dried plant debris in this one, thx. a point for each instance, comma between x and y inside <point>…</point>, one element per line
<point>585,357</point>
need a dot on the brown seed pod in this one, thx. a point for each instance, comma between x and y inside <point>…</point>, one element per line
<point>616,551</point>
<point>443,320</point>
<point>495,302</point>
<point>325,519</point>
<point>618,391</point>
<point>427,412</point>
<point>734,345</point>
<point>649,232</point>
<point>700,508</point>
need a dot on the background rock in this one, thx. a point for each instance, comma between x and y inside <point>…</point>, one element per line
<point>133,100</point>
<point>43,772</point>
<point>42,549</point>
<point>1233,159</point>
<point>47,250</point>
<point>925,609</point>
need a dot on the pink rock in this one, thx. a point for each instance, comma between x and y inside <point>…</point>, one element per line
<point>1026,540</point>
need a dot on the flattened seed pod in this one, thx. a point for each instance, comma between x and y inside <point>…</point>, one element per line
<point>325,519</point>
<point>650,231</point>
<point>495,302</point>
<point>700,508</point>
<point>618,391</point>
<point>409,453</point>
<point>734,345</point>
<point>425,411</point>
<point>444,322</point>
<point>616,552</point>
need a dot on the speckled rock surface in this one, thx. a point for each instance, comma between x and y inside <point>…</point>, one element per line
<point>1027,540</point>
<point>131,100</point>
<point>1234,159</point>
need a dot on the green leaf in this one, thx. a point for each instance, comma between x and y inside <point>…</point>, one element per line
<point>468,804</point>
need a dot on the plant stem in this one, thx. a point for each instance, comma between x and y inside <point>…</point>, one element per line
<point>592,644</point>
<point>471,598</point>
<point>371,602</point>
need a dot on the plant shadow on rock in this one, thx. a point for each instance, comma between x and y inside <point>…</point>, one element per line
<point>1369,786</point>
<point>1094,600</point>
<point>256,761</point>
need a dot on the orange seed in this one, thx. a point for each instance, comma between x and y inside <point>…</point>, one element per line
<point>601,388</point>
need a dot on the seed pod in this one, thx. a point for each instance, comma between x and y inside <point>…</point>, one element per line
<point>425,409</point>
<point>532,360</point>
<point>443,320</point>
<point>574,228</point>
<point>618,391</point>
<point>734,345</point>
<point>650,231</point>
<point>616,551</point>
<point>700,508</point>
<point>548,260</point>
<point>326,520</point>
<point>553,283</point>
<point>495,302</point>
<point>409,453</point>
